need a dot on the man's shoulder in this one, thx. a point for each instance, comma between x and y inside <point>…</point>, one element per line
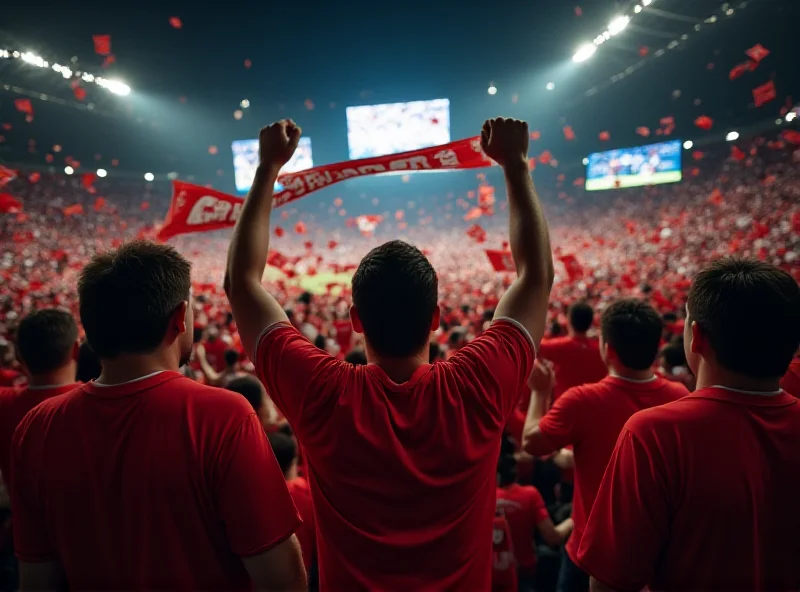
<point>202,396</point>
<point>666,418</point>
<point>673,389</point>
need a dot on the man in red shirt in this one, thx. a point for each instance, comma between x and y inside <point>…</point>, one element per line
<point>576,357</point>
<point>145,478</point>
<point>285,450</point>
<point>701,494</point>
<point>401,454</point>
<point>590,417</point>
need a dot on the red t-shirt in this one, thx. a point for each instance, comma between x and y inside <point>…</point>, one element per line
<point>215,354</point>
<point>577,361</point>
<point>590,417</point>
<point>791,380</point>
<point>504,569</point>
<point>344,334</point>
<point>156,483</point>
<point>701,494</point>
<point>307,533</point>
<point>402,475</point>
<point>14,405</point>
<point>524,508</point>
<point>9,377</point>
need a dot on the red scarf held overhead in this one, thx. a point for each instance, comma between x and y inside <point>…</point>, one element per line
<point>198,209</point>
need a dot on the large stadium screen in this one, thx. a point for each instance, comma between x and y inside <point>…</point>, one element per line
<point>245,161</point>
<point>634,167</point>
<point>375,130</point>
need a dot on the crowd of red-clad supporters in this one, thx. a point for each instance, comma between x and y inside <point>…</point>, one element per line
<point>389,424</point>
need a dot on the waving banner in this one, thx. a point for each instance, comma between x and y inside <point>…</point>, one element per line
<point>198,209</point>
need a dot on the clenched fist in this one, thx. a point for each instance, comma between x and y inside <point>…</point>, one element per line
<point>505,141</point>
<point>277,143</point>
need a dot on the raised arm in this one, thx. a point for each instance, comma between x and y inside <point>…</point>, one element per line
<point>255,309</point>
<point>506,142</point>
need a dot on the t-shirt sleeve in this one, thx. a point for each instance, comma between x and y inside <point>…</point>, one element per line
<point>32,542</point>
<point>629,522</point>
<point>251,493</point>
<point>497,365</point>
<point>540,513</point>
<point>299,377</point>
<point>562,423</point>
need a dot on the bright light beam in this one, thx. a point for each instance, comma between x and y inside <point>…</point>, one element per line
<point>618,25</point>
<point>584,52</point>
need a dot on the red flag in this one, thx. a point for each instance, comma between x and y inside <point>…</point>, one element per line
<point>461,154</point>
<point>739,69</point>
<point>175,22</point>
<point>757,53</point>
<point>24,106</point>
<point>87,179</point>
<point>764,93</point>
<point>73,210</point>
<point>9,204</point>
<point>643,131</point>
<point>477,233</point>
<point>99,203</point>
<point>704,122</point>
<point>501,260</point>
<point>605,136</point>
<point>102,44</point>
<point>737,153</point>
<point>568,133</point>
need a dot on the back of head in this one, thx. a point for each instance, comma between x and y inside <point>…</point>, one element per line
<point>581,316</point>
<point>633,329</point>
<point>673,356</point>
<point>395,292</point>
<point>749,312</point>
<point>45,340</point>
<point>128,296</point>
<point>250,388</point>
<point>285,450</point>
<point>89,367</point>
<point>356,357</point>
<point>231,357</point>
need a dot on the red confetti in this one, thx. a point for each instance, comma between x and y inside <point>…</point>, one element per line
<point>643,131</point>
<point>477,233</point>
<point>757,53</point>
<point>87,179</point>
<point>79,93</point>
<point>535,135</point>
<point>764,93</point>
<point>300,228</point>
<point>579,182</point>
<point>695,172</point>
<point>183,100</point>
<point>279,232</point>
<point>605,136</point>
<point>332,244</point>
<point>545,157</point>
<point>73,210</point>
<point>114,162</point>
<point>473,214</point>
<point>102,44</point>
<point>212,150</point>
<point>7,127</point>
<point>9,204</point>
<point>704,122</point>
<point>644,50</point>
<point>338,202</point>
<point>247,64</point>
<point>49,158</point>
<point>99,203</point>
<point>568,133</point>
<point>109,60</point>
<point>309,104</point>
<point>145,205</point>
<point>308,245</point>
<point>24,106</point>
<point>34,177</point>
<point>578,11</point>
<point>737,153</point>
<point>175,22</point>
<point>716,197</point>
<point>791,136</point>
<point>399,215</point>
<point>697,155</point>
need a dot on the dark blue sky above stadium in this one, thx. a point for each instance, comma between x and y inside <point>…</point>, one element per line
<point>351,53</point>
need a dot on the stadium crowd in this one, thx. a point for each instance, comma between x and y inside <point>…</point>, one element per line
<point>570,438</point>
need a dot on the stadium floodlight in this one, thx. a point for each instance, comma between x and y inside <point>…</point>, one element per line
<point>584,52</point>
<point>637,9</point>
<point>585,161</point>
<point>69,170</point>
<point>34,59</point>
<point>101,173</point>
<point>618,25</point>
<point>732,136</point>
<point>550,85</point>
<point>646,2</point>
<point>687,145</point>
<point>791,116</point>
<point>245,103</point>
<point>492,90</point>
<point>149,176</point>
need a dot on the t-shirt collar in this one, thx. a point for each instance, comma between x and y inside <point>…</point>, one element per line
<point>131,387</point>
<point>751,398</point>
<point>402,387</point>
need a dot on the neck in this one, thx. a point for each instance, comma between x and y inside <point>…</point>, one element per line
<point>708,376</point>
<point>623,372</point>
<point>399,370</point>
<point>127,367</point>
<point>577,334</point>
<point>59,377</point>
<point>291,474</point>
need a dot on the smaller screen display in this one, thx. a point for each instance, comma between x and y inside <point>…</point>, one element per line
<point>634,167</point>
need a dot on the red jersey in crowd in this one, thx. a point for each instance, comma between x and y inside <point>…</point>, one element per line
<point>791,380</point>
<point>14,405</point>
<point>402,475</point>
<point>590,417</point>
<point>215,353</point>
<point>524,509</point>
<point>504,569</point>
<point>701,494</point>
<point>577,361</point>
<point>344,334</point>
<point>155,483</point>
<point>307,533</point>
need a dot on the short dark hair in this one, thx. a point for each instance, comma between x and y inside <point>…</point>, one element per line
<point>750,313</point>
<point>673,355</point>
<point>357,357</point>
<point>250,388</point>
<point>434,352</point>
<point>231,356</point>
<point>127,296</point>
<point>45,339</point>
<point>581,316</point>
<point>633,328</point>
<point>395,291</point>
<point>285,450</point>
<point>89,366</point>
